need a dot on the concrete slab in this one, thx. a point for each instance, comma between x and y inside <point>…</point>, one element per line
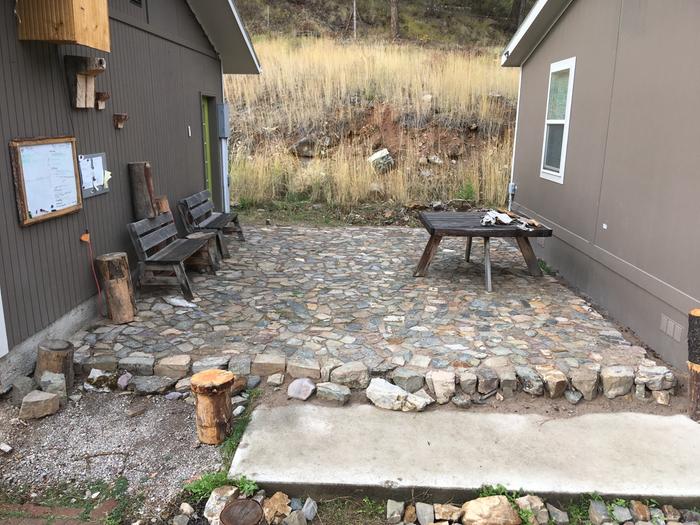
<point>311,449</point>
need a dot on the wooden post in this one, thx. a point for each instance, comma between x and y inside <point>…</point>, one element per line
<point>694,363</point>
<point>212,389</point>
<point>55,355</point>
<point>142,192</point>
<point>119,291</point>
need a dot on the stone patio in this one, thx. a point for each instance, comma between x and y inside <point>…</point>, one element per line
<point>348,294</point>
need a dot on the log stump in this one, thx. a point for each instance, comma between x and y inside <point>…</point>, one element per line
<point>55,355</point>
<point>162,204</point>
<point>142,191</point>
<point>694,363</point>
<point>119,291</point>
<point>212,390</point>
<point>242,512</point>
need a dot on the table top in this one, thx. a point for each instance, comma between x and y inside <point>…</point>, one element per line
<point>468,224</point>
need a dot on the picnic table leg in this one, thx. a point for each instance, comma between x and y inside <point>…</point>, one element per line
<point>427,257</point>
<point>238,229</point>
<point>533,265</point>
<point>487,264</point>
<point>223,249</point>
<point>468,250</point>
<point>181,275</point>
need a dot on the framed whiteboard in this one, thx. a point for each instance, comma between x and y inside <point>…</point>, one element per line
<point>46,177</point>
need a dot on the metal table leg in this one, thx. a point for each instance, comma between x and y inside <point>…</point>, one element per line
<point>487,264</point>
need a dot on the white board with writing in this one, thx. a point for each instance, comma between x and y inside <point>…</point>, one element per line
<point>46,179</point>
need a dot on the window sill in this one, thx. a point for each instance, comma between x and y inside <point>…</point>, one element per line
<point>552,176</point>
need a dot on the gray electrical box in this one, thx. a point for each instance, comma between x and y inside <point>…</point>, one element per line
<point>222,120</point>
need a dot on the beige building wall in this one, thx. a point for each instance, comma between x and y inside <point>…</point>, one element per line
<point>625,218</point>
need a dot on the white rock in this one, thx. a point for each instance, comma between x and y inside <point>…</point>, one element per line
<point>391,397</point>
<point>217,501</point>
<point>442,384</point>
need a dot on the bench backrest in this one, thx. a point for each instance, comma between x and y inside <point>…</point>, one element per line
<point>196,208</point>
<point>151,235</point>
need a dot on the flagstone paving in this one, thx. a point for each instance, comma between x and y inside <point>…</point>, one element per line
<point>349,294</point>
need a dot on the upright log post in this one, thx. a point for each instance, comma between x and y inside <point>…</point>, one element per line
<point>142,191</point>
<point>694,363</point>
<point>212,389</point>
<point>119,291</point>
<point>162,204</point>
<point>55,355</point>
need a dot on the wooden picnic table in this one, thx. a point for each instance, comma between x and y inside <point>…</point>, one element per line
<point>468,224</point>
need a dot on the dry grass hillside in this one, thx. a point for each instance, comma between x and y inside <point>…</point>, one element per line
<point>304,128</point>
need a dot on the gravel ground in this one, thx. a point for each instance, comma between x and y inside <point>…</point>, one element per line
<point>94,439</point>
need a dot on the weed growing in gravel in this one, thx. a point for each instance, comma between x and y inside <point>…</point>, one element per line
<point>371,508</point>
<point>201,488</point>
<point>247,486</point>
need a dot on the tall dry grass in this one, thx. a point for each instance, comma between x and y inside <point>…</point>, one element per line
<point>325,87</point>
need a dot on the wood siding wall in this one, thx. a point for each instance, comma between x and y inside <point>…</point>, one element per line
<point>161,62</point>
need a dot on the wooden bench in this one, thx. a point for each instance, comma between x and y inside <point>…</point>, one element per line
<point>468,224</point>
<point>198,215</point>
<point>159,249</point>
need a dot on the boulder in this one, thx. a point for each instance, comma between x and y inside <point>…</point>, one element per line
<point>487,380</point>
<point>655,377</point>
<point>217,501</point>
<point>558,517</point>
<point>54,384</point>
<point>138,365</point>
<point>467,381</point>
<point>275,380</point>
<point>332,392</point>
<point>409,515</point>
<point>425,513</point>
<point>598,512</point>
<point>640,512</point>
<point>124,380</point>
<point>394,511</point>
<point>530,381</point>
<point>310,509</point>
<point>352,375</point>
<point>622,514</point>
<point>302,389</point>
<point>442,384</point>
<point>298,367</point>
<point>328,366</point>
<point>147,385</point>
<point>535,505</point>
<point>268,364</point>
<point>408,379</point>
<point>490,510</point>
<point>509,383</point>
<point>219,362</point>
<point>239,365</point>
<point>37,404</point>
<point>295,518</point>
<point>447,512</point>
<point>585,380</point>
<point>176,366</point>
<point>276,507</point>
<point>617,380</point>
<point>21,386</point>
<point>555,381</point>
<point>391,397</point>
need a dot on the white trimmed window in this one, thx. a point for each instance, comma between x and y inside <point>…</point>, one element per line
<point>556,126</point>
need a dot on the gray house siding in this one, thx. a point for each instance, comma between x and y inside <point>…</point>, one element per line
<point>622,217</point>
<point>161,62</point>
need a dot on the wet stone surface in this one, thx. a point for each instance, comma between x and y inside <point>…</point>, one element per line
<point>348,294</point>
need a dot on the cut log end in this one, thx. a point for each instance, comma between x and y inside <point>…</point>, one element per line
<point>212,381</point>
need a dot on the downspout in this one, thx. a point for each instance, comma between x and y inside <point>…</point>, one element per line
<point>512,186</point>
<point>223,145</point>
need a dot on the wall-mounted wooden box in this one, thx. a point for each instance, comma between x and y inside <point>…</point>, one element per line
<point>84,22</point>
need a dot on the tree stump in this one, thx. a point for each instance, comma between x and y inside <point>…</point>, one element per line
<point>212,389</point>
<point>55,355</point>
<point>142,192</point>
<point>119,291</point>
<point>242,512</point>
<point>162,204</point>
<point>694,363</point>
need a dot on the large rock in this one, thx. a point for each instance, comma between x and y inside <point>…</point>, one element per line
<point>147,385</point>
<point>555,381</point>
<point>332,392</point>
<point>106,362</point>
<point>54,384</point>
<point>408,379</point>
<point>394,511</point>
<point>138,365</point>
<point>655,377</point>
<point>239,365</point>
<point>176,366</point>
<point>21,386</point>
<point>37,404</point>
<point>425,513</point>
<point>302,367</point>
<point>391,397</point>
<point>219,362</point>
<point>302,389</point>
<point>295,518</point>
<point>508,380</point>
<point>217,501</point>
<point>585,380</point>
<point>530,381</point>
<point>536,506</point>
<point>276,507</point>
<point>558,516</point>
<point>102,380</point>
<point>467,381</point>
<point>442,384</point>
<point>268,364</point>
<point>617,380</point>
<point>447,512</point>
<point>490,510</point>
<point>598,512</point>
<point>353,375</point>
<point>487,380</point>
<point>328,366</point>
<point>310,509</point>
<point>640,512</point>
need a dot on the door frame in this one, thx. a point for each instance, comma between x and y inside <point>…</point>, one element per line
<point>212,141</point>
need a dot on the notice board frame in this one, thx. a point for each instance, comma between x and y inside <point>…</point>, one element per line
<point>25,217</point>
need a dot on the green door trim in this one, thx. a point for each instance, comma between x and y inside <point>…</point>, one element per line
<point>207,147</point>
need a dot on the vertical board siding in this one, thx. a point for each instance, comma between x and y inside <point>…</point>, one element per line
<point>158,82</point>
